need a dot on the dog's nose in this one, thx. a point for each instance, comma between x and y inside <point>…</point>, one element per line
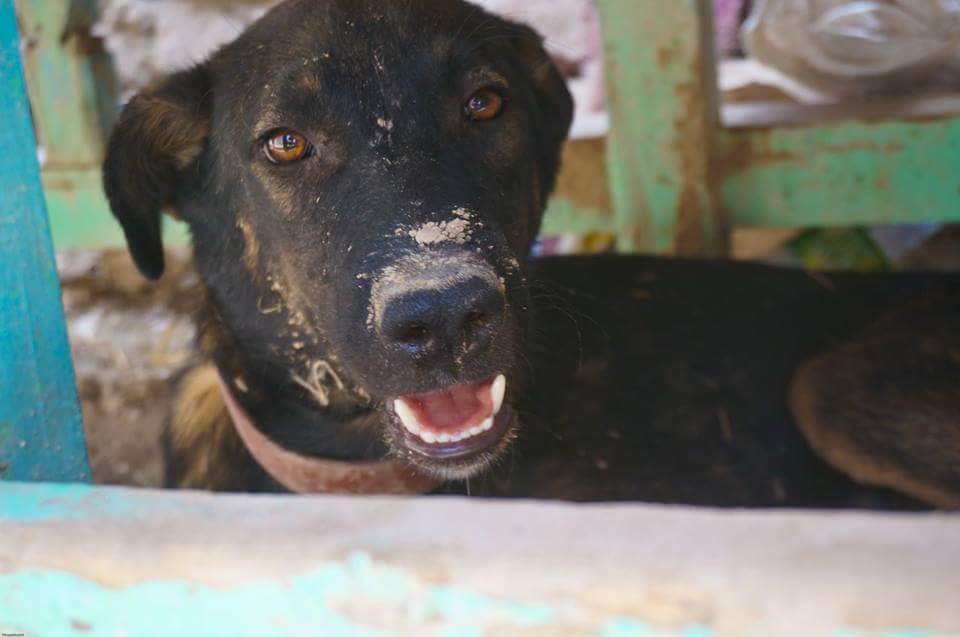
<point>443,320</point>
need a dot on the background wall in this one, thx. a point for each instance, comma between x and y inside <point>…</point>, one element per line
<point>148,38</point>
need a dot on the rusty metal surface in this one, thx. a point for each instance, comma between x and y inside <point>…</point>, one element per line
<point>660,75</point>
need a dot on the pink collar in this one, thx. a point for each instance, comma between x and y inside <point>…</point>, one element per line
<point>306,474</point>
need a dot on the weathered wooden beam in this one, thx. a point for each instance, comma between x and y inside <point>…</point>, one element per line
<point>107,561</point>
<point>845,172</point>
<point>564,215</point>
<point>41,435</point>
<point>70,80</point>
<point>581,203</point>
<point>71,86</point>
<point>842,173</point>
<point>661,79</point>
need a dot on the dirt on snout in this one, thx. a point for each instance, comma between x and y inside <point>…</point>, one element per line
<point>130,338</point>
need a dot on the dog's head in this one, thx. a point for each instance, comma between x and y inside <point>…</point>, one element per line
<point>362,180</point>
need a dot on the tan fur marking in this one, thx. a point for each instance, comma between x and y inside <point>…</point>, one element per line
<point>208,340</point>
<point>201,434</point>
<point>173,132</point>
<point>241,384</point>
<point>309,82</point>
<point>251,247</point>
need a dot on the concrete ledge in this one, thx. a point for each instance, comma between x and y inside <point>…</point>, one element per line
<point>78,560</point>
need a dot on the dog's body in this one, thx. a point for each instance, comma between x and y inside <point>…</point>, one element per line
<point>363,180</point>
<point>654,380</point>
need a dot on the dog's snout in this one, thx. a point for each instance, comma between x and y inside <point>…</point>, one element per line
<point>438,321</point>
<point>436,325</point>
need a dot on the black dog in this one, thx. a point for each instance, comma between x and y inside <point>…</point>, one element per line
<point>363,180</point>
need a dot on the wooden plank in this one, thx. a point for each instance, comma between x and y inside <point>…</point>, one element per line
<point>41,435</point>
<point>823,173</point>
<point>107,561</point>
<point>581,202</point>
<point>71,87</point>
<point>84,219</point>
<point>662,90</point>
<point>70,81</point>
<point>565,216</point>
<point>843,173</point>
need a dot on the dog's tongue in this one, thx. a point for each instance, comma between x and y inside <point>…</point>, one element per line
<point>456,407</point>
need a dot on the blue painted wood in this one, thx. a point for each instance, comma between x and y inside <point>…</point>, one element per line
<point>41,433</point>
<point>90,561</point>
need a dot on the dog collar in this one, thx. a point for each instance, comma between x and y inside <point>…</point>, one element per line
<point>307,474</point>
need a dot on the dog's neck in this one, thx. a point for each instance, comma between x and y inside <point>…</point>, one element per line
<point>308,474</point>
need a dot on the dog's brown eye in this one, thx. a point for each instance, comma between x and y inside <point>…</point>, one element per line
<point>484,105</point>
<point>285,147</point>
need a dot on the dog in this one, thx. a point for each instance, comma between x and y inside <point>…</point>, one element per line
<point>363,181</point>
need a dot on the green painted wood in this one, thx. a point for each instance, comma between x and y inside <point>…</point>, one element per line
<point>70,81</point>
<point>74,100</point>
<point>71,87</point>
<point>843,173</point>
<point>674,175</point>
<point>678,179</point>
<point>85,220</point>
<point>563,216</point>
<point>102,561</point>
<point>663,111</point>
<point>78,210</point>
<point>41,434</point>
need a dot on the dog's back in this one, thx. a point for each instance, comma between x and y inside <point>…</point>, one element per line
<point>667,381</point>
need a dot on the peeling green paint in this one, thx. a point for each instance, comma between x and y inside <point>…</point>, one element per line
<point>626,627</point>
<point>842,173</point>
<point>345,594</point>
<point>355,597</point>
<point>19,503</point>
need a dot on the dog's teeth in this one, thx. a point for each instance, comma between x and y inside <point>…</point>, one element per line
<point>412,424</point>
<point>407,417</point>
<point>497,392</point>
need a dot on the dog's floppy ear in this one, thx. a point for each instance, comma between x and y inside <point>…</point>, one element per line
<point>151,159</point>
<point>553,99</point>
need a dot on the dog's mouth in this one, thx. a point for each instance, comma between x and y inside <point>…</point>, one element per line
<point>456,423</point>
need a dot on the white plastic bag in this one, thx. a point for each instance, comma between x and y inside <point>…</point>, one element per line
<point>850,47</point>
